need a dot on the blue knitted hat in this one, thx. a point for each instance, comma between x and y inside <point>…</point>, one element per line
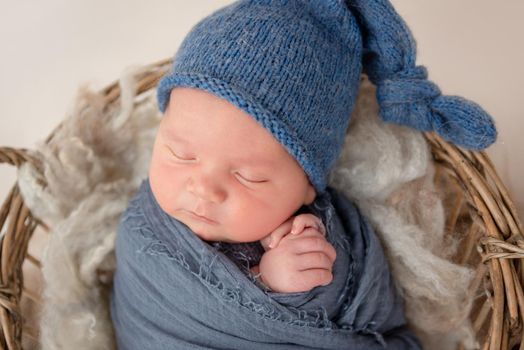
<point>294,66</point>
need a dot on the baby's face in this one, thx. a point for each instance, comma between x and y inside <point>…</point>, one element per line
<point>212,159</point>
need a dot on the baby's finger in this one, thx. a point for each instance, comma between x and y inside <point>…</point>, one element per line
<point>314,260</point>
<point>316,277</point>
<point>312,241</point>
<point>321,227</point>
<point>272,240</point>
<point>305,220</point>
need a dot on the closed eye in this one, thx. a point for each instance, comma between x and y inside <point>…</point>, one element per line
<point>250,180</point>
<point>179,157</point>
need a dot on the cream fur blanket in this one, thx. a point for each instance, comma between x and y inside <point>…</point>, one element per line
<point>97,158</point>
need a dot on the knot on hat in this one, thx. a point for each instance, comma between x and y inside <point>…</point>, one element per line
<point>410,99</point>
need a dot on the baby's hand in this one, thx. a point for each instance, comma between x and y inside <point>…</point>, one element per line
<point>298,264</point>
<point>294,225</point>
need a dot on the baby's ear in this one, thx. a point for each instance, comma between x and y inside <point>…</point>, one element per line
<point>310,194</point>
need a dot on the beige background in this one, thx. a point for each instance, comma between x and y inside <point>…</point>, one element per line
<point>472,48</point>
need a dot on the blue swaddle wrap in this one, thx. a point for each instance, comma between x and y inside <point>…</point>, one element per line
<point>174,291</point>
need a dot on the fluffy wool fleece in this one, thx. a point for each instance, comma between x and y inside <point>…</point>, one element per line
<point>99,155</point>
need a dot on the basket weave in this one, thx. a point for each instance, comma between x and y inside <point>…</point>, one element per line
<point>476,204</point>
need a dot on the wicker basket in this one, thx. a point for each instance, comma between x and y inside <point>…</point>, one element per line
<point>475,200</point>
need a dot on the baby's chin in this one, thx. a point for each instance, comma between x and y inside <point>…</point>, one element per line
<point>213,237</point>
<point>207,234</point>
<point>210,236</point>
<point>213,233</point>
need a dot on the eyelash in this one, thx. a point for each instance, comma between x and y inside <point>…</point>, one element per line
<point>242,177</point>
<point>180,158</point>
<point>251,181</point>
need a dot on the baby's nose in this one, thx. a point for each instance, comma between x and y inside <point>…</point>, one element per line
<point>207,188</point>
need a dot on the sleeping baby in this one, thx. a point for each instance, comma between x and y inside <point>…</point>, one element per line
<point>217,171</point>
<point>235,240</point>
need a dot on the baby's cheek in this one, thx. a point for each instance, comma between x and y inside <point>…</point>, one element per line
<point>240,231</point>
<point>158,169</point>
<point>247,227</point>
<point>166,187</point>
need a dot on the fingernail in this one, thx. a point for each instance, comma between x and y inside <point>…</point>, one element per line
<point>270,244</point>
